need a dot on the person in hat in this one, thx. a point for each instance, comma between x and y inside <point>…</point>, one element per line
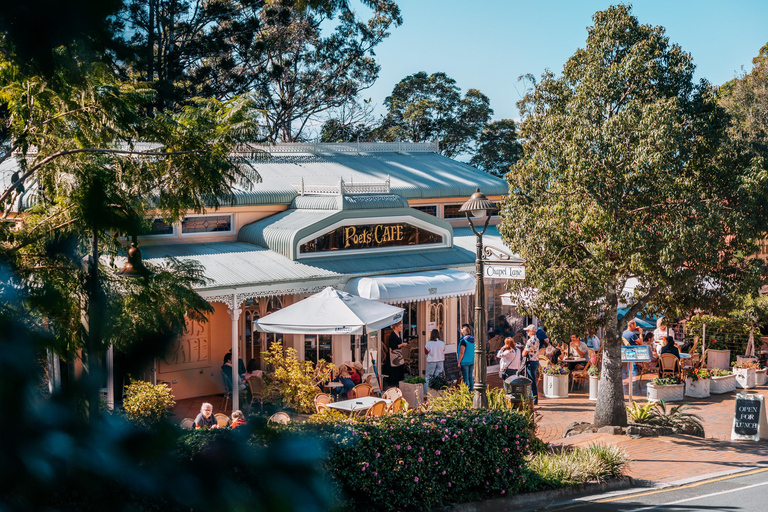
<point>531,352</point>
<point>353,373</point>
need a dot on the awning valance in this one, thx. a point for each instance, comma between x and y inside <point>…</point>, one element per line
<point>415,287</point>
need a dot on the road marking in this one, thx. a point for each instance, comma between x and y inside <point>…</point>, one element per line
<point>689,486</point>
<point>700,497</point>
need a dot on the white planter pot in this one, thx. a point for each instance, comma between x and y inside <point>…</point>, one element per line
<point>720,359</point>
<point>594,387</point>
<point>760,377</point>
<point>413,394</point>
<point>724,384</point>
<point>745,377</point>
<point>556,386</point>
<point>697,389</point>
<point>669,393</point>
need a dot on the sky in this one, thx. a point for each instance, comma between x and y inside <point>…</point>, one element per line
<point>488,44</point>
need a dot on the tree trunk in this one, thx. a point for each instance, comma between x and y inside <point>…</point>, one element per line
<point>610,409</point>
<point>92,332</point>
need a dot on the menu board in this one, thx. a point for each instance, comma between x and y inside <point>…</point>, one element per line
<point>749,420</point>
<point>635,353</point>
<point>451,364</point>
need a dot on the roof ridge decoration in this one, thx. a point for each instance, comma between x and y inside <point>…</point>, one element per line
<point>348,147</point>
<point>342,188</point>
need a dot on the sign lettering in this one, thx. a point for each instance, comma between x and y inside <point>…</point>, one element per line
<point>494,271</point>
<point>749,421</point>
<point>190,350</point>
<point>369,236</point>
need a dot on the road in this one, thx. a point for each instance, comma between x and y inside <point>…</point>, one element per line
<point>740,492</point>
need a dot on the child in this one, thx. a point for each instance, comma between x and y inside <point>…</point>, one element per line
<point>238,419</point>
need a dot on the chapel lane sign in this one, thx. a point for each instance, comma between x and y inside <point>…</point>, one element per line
<point>501,271</point>
<point>368,236</point>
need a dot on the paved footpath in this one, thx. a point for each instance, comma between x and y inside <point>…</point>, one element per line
<point>660,459</point>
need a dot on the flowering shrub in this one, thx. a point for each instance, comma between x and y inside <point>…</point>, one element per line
<point>717,345</point>
<point>419,461</point>
<point>593,371</point>
<point>146,403</point>
<point>666,381</point>
<point>747,365</point>
<point>719,372</point>
<point>555,369</point>
<point>294,382</point>
<point>697,373</point>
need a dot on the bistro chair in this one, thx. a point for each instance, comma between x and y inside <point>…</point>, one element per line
<point>321,407</point>
<point>322,399</point>
<point>669,365</point>
<point>392,394</point>
<point>406,352</point>
<point>279,417</point>
<point>222,419</point>
<point>377,409</point>
<point>187,424</point>
<point>369,380</point>
<point>360,391</point>
<point>580,376</point>
<point>228,390</point>
<point>256,385</point>
<point>398,405</point>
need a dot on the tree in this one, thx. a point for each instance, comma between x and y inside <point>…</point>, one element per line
<point>350,122</point>
<point>497,148</point>
<point>624,175</point>
<point>425,108</point>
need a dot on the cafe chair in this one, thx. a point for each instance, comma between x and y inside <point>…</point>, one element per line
<point>392,394</point>
<point>361,390</point>
<point>279,417</point>
<point>187,424</point>
<point>669,365</point>
<point>256,385</point>
<point>377,409</point>
<point>222,419</point>
<point>398,405</point>
<point>580,376</point>
<point>321,407</point>
<point>322,399</point>
<point>369,380</point>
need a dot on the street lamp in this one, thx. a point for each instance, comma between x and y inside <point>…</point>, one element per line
<point>479,206</point>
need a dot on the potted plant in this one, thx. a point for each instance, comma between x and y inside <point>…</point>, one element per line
<point>437,385</point>
<point>718,355</point>
<point>668,389</point>
<point>760,376</point>
<point>594,382</point>
<point>697,383</point>
<point>722,381</point>
<point>556,381</point>
<point>413,391</point>
<point>745,374</point>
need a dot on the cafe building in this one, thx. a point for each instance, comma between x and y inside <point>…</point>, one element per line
<point>378,220</point>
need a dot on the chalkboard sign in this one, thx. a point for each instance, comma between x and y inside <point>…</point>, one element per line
<point>451,366</point>
<point>635,353</point>
<point>749,421</point>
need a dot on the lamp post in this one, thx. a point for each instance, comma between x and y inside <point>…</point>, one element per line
<point>479,206</point>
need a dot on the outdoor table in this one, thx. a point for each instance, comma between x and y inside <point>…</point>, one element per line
<point>358,404</point>
<point>574,360</point>
<point>333,384</point>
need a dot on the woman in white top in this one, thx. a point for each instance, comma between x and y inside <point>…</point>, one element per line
<point>660,334</point>
<point>509,357</point>
<point>435,350</point>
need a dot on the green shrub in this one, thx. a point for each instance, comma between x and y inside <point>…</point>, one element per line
<point>147,404</point>
<point>327,416</point>
<point>460,397</point>
<point>439,382</point>
<point>414,379</point>
<point>579,465</point>
<point>419,461</point>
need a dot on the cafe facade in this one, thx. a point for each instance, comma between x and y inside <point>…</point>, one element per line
<point>377,220</point>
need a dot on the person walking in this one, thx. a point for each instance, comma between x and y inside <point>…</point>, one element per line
<point>467,356</point>
<point>531,351</point>
<point>435,350</point>
<point>509,357</point>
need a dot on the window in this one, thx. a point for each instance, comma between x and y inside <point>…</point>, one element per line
<point>431,209</point>
<point>452,212</point>
<point>207,224</point>
<point>317,347</point>
<point>160,227</point>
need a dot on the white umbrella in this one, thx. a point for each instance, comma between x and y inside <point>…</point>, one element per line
<point>330,312</point>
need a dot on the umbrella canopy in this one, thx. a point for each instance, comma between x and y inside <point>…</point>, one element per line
<point>330,312</point>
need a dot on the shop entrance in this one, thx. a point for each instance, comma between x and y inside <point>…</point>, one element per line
<point>254,346</point>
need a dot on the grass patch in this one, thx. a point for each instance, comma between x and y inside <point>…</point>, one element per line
<point>595,463</point>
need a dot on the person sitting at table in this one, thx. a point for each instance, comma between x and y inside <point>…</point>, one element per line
<point>356,377</point>
<point>226,370</point>
<point>206,419</point>
<point>633,333</point>
<point>670,348</point>
<point>661,332</point>
<point>551,352</point>
<point>577,349</point>
<point>347,384</point>
<point>238,419</point>
<point>591,339</point>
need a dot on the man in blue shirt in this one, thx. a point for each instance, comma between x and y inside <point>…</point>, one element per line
<point>633,333</point>
<point>541,333</point>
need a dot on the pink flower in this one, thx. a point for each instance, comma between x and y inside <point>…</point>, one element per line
<point>503,491</point>
<point>437,452</point>
<point>443,471</point>
<point>409,447</point>
<point>378,455</point>
<point>397,446</point>
<point>470,429</point>
<point>415,479</point>
<point>449,484</point>
<point>419,459</point>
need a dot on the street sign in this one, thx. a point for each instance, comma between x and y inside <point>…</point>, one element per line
<point>500,271</point>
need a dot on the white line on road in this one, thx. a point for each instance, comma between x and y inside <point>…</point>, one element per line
<point>700,497</point>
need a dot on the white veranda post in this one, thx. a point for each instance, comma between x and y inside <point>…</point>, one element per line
<point>234,314</point>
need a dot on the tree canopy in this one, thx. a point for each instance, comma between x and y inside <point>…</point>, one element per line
<point>497,148</point>
<point>625,176</point>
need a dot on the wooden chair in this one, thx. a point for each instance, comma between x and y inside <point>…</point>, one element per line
<point>279,417</point>
<point>188,424</point>
<point>321,399</point>
<point>392,394</point>
<point>580,376</point>
<point>360,391</point>
<point>222,419</point>
<point>377,409</point>
<point>322,407</point>
<point>256,385</point>
<point>406,351</point>
<point>369,380</point>
<point>669,365</point>
<point>398,405</point>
